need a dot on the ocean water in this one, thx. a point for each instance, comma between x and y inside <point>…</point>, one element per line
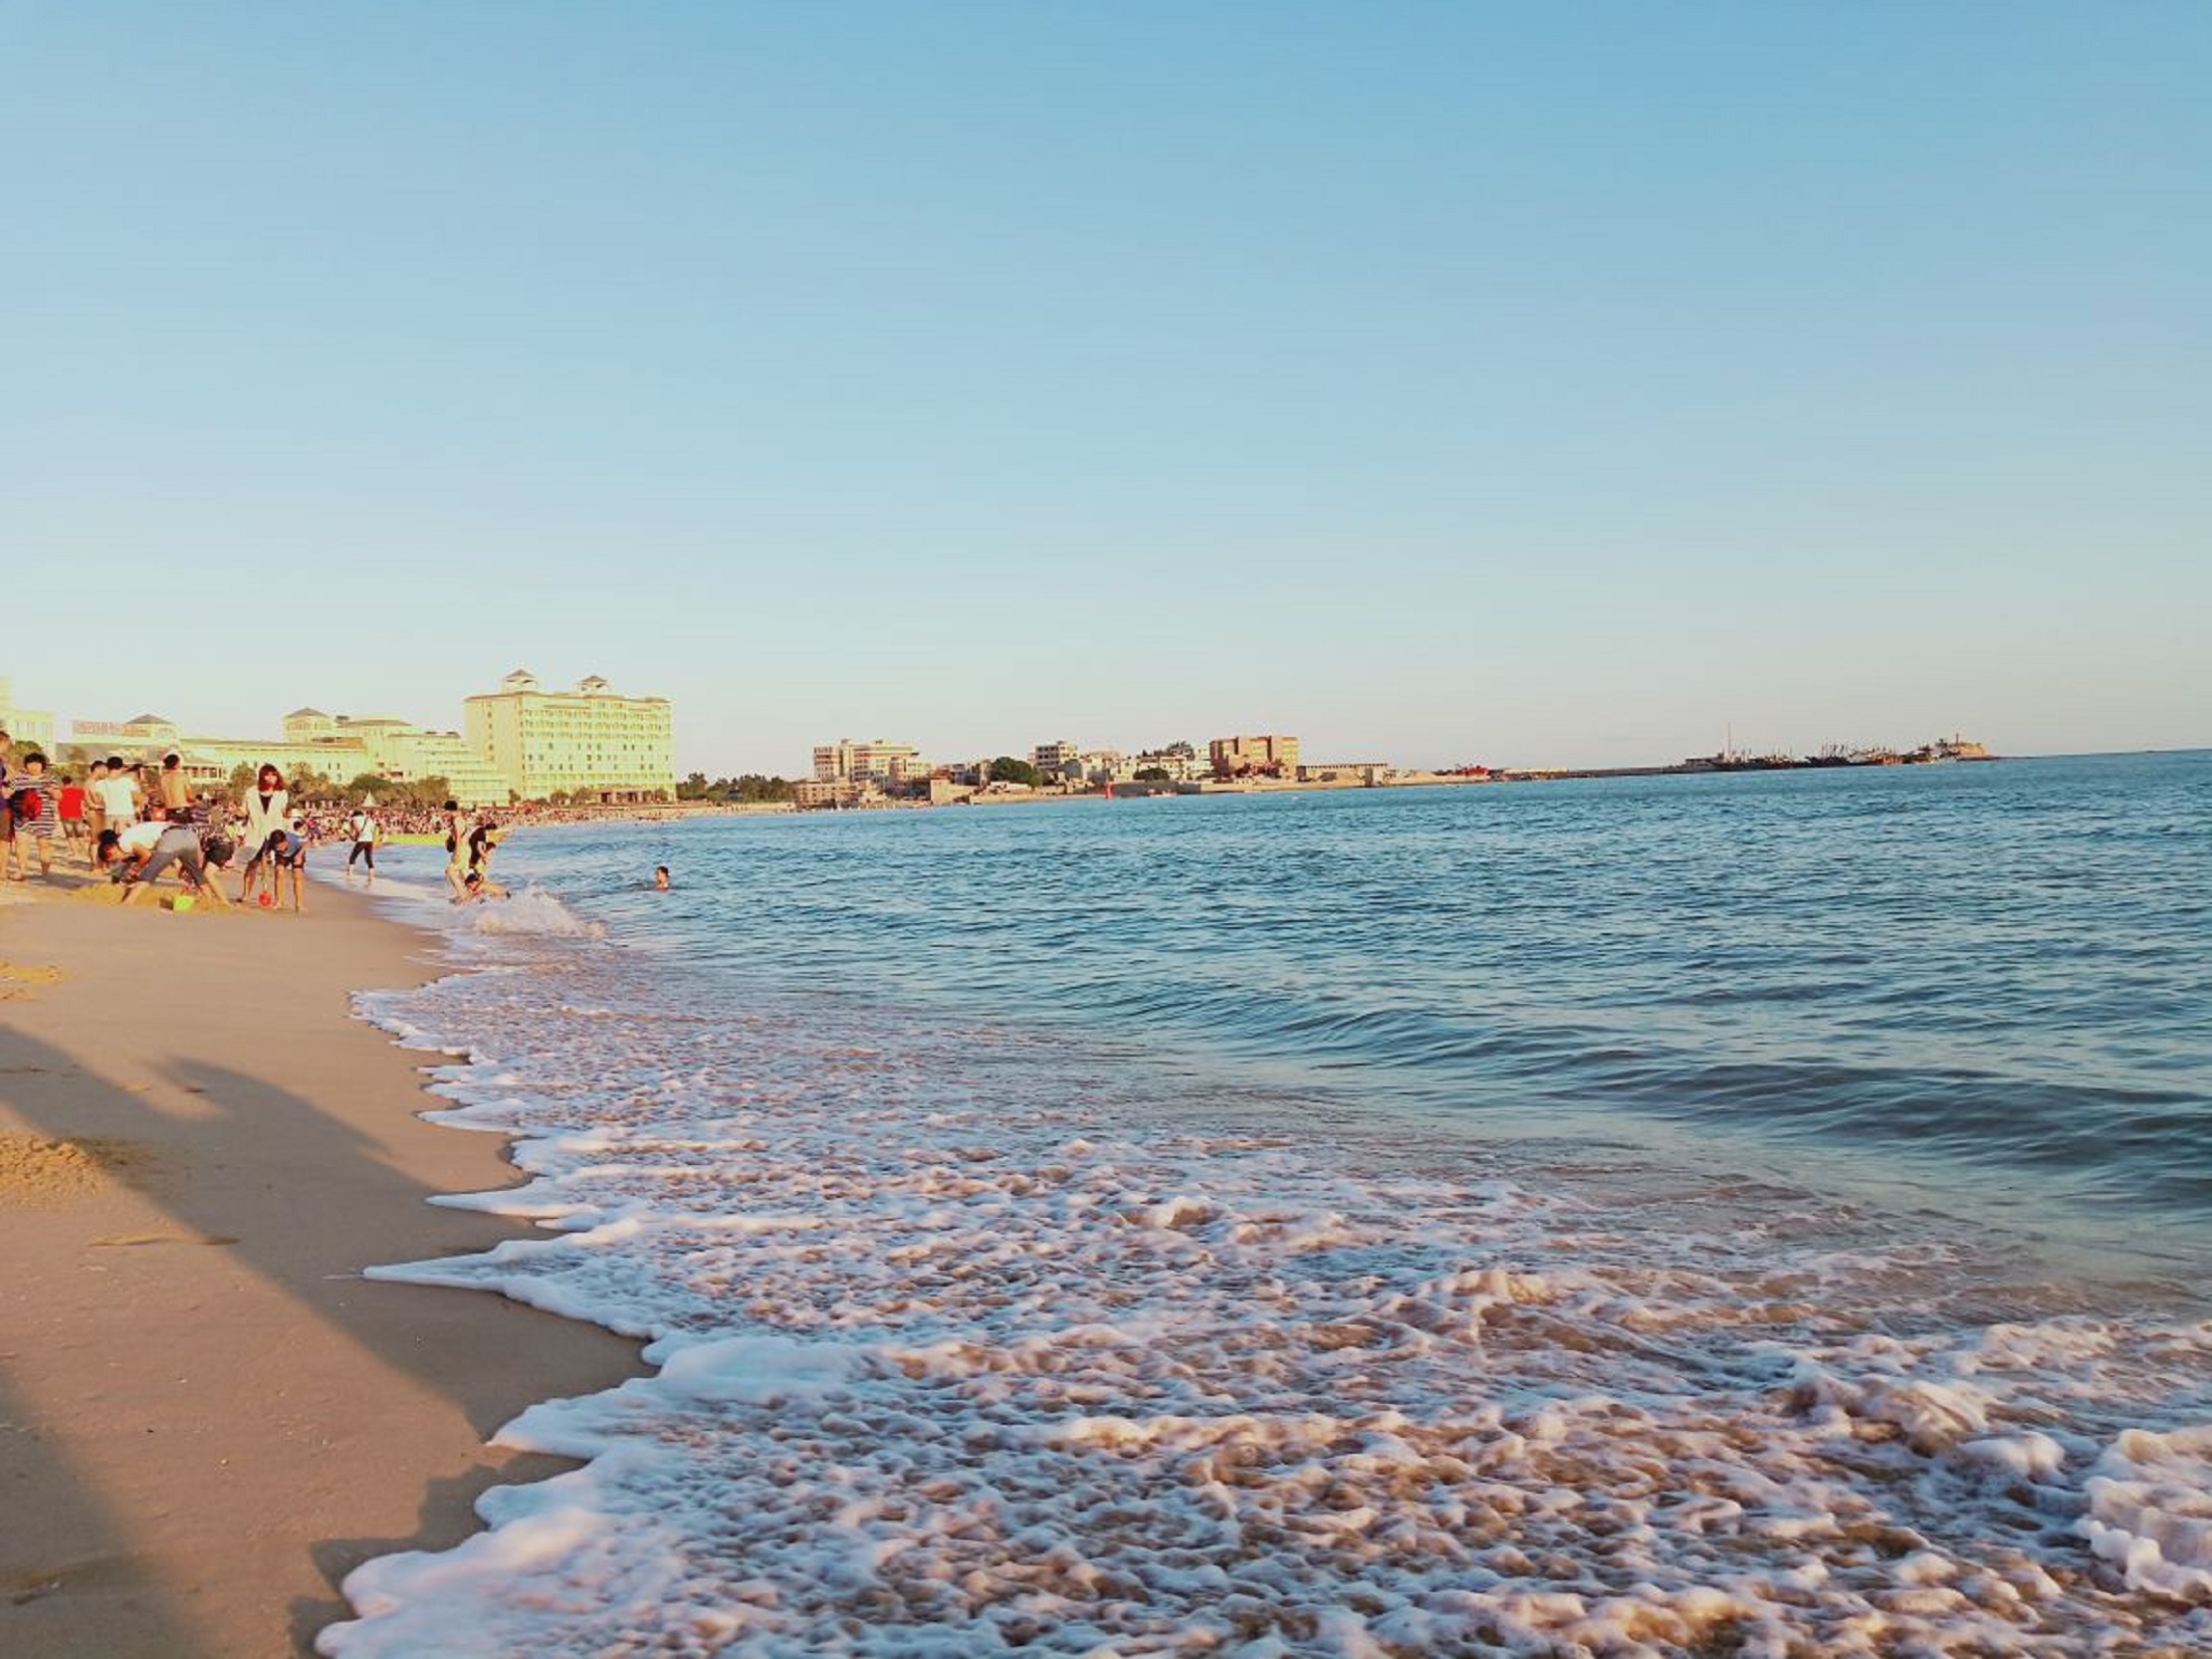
<point>1761,1214</point>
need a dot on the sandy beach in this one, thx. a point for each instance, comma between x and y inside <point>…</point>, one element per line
<point>207,1417</point>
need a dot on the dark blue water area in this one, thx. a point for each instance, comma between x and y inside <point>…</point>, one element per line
<point>1980,988</point>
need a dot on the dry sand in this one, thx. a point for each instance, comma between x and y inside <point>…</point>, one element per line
<point>207,1417</point>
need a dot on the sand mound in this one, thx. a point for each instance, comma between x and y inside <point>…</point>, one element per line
<point>37,1170</point>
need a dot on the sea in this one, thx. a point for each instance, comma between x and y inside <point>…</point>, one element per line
<point>1750,1214</point>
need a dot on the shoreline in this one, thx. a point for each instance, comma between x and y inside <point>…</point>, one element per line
<point>212,1412</point>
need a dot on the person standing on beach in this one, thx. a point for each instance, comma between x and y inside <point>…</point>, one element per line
<point>174,791</point>
<point>119,796</point>
<point>31,798</point>
<point>266,807</point>
<point>70,801</point>
<point>362,828</point>
<point>7,807</point>
<point>95,809</point>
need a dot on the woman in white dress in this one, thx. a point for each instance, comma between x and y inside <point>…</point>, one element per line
<point>267,808</point>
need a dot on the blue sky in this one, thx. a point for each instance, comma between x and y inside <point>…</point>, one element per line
<point>1440,382</point>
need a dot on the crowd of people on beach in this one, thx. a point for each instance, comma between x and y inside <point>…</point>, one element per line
<point>135,822</point>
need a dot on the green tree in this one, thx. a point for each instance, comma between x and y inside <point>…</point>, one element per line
<point>1006,770</point>
<point>76,757</point>
<point>1153,775</point>
<point>694,787</point>
<point>754,790</point>
<point>306,783</point>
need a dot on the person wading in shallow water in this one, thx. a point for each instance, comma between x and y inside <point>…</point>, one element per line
<point>456,851</point>
<point>364,829</point>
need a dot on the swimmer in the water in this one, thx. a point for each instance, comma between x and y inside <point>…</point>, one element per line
<point>660,878</point>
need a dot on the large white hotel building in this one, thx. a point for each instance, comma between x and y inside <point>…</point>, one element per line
<point>560,742</point>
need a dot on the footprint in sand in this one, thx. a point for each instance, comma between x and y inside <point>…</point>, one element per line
<point>16,976</point>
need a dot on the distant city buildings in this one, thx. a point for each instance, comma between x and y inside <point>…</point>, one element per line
<point>852,773</point>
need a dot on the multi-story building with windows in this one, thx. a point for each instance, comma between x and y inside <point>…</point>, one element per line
<point>879,761</point>
<point>1179,761</point>
<point>1058,759</point>
<point>1245,757</point>
<point>589,741</point>
<point>407,754</point>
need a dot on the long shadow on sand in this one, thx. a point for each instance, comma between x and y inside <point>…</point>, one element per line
<point>256,1166</point>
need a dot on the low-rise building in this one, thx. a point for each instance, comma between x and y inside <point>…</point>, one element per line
<point>815,792</point>
<point>1179,761</point>
<point>211,759</point>
<point>404,753</point>
<point>1366,774</point>
<point>1108,766</point>
<point>30,728</point>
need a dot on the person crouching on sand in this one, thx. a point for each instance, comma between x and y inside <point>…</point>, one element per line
<point>285,850</point>
<point>137,856</point>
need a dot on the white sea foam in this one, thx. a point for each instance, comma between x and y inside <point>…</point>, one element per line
<point>960,1352</point>
<point>532,912</point>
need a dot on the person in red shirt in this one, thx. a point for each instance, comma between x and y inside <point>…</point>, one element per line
<point>71,805</point>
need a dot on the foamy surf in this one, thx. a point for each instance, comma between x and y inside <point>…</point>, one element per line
<point>965,1354</point>
<point>532,912</point>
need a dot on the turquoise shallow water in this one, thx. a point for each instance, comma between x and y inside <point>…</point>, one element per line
<point>1980,989</point>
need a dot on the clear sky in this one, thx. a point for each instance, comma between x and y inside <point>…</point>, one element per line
<point>1440,381</point>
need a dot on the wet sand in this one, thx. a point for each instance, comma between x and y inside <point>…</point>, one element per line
<point>207,1417</point>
